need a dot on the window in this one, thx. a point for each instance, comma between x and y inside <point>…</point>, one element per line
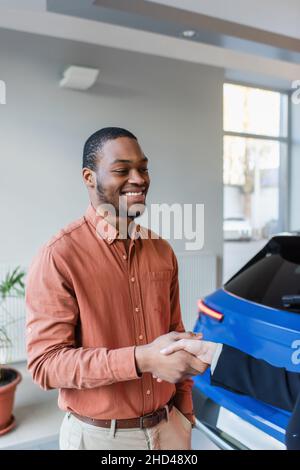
<point>255,159</point>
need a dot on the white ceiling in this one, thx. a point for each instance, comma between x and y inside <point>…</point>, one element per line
<point>31,16</point>
<point>92,32</point>
<point>278,16</point>
<point>40,5</point>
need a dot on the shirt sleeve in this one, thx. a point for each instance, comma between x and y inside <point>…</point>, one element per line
<point>215,358</point>
<point>183,397</point>
<point>241,373</point>
<point>54,358</point>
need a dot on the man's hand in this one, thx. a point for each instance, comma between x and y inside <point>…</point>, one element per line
<point>203,350</point>
<point>172,368</point>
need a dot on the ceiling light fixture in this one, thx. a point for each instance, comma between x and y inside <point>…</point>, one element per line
<point>79,78</point>
<point>189,33</point>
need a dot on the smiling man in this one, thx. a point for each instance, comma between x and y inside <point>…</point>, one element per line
<point>101,305</point>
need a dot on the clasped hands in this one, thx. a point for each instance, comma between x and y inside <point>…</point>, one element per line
<point>175,356</point>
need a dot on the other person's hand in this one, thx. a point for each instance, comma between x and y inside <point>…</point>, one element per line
<point>204,350</point>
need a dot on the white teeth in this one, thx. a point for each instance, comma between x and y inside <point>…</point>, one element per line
<point>133,194</point>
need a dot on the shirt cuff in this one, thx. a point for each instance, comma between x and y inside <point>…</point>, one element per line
<point>215,358</point>
<point>122,363</point>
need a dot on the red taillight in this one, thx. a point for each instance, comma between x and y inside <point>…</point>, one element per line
<point>209,311</point>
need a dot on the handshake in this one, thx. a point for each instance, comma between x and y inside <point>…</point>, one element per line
<point>175,356</point>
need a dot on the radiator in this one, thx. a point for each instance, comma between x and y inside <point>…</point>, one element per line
<point>12,317</point>
<point>197,278</point>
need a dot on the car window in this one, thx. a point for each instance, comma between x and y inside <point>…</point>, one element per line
<point>272,276</point>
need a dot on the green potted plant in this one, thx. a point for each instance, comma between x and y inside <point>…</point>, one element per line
<point>11,286</point>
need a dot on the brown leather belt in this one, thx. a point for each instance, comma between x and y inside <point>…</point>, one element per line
<point>146,421</point>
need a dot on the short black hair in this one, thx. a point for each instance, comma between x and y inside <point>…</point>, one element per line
<point>96,141</point>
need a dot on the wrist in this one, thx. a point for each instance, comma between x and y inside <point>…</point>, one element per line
<point>142,361</point>
<point>209,349</point>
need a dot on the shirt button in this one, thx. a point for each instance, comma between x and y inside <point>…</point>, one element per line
<point>137,309</point>
<point>132,279</point>
<point>124,256</point>
<point>148,392</point>
<point>141,337</point>
<point>109,239</point>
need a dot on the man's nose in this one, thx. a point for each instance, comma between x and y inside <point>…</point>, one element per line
<point>135,177</point>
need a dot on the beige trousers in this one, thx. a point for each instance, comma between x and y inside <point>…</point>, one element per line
<point>171,434</point>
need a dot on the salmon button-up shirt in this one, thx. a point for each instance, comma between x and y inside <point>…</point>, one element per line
<point>89,304</point>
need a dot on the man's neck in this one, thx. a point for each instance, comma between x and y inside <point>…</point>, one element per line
<point>121,224</point>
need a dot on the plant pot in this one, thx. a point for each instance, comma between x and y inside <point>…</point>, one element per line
<point>8,385</point>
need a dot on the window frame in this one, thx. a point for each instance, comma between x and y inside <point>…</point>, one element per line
<point>284,168</point>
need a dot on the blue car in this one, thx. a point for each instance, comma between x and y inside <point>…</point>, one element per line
<point>258,312</point>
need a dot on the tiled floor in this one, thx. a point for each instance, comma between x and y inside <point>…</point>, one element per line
<point>47,446</point>
<point>52,445</point>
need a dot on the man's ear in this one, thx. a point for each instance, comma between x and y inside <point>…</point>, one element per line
<point>89,177</point>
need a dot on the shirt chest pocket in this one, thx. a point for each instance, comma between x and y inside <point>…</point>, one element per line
<point>156,292</point>
<point>159,276</point>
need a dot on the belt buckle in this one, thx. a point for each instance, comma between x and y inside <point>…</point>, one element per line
<point>147,416</point>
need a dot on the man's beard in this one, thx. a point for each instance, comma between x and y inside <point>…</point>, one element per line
<point>103,199</point>
<point>131,212</point>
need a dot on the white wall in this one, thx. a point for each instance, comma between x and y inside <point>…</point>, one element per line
<point>175,109</point>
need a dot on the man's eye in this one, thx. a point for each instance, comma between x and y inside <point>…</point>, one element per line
<point>122,171</point>
<point>144,170</point>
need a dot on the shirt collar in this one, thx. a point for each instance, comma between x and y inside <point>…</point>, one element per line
<point>105,230</point>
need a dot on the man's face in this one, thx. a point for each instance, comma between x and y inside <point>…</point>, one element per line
<point>122,176</point>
